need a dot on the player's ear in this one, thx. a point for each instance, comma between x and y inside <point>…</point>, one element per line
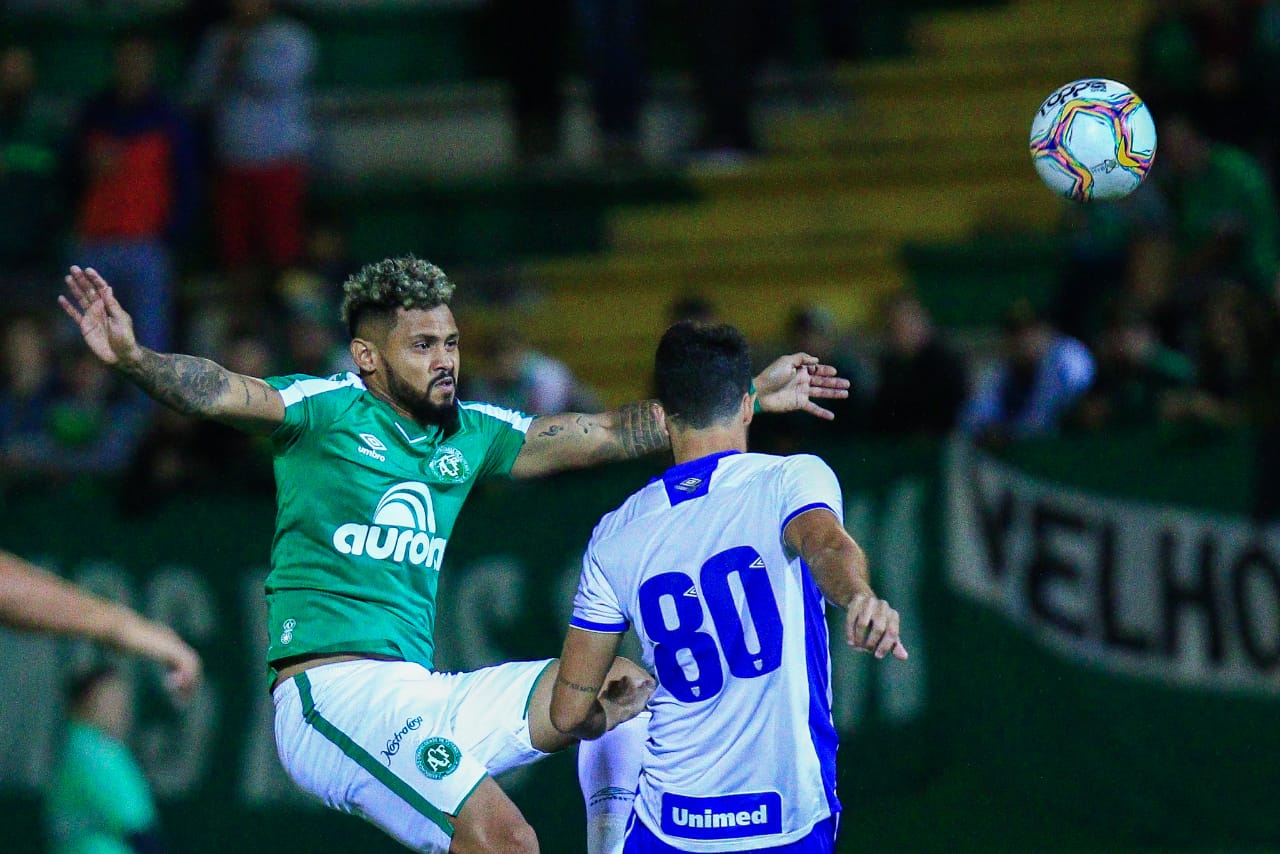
<point>364,354</point>
<point>748,407</point>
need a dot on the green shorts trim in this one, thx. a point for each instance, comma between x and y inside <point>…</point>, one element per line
<point>365,760</point>
<point>528,701</point>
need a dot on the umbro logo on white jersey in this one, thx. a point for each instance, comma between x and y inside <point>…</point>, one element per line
<point>692,593</point>
<point>689,484</point>
<point>758,563</point>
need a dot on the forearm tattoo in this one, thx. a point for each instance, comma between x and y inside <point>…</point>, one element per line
<point>189,384</point>
<point>639,430</point>
<point>586,689</point>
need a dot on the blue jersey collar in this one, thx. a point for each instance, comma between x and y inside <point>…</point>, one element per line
<point>692,478</point>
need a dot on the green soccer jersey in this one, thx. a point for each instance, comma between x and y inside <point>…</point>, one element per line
<point>99,796</point>
<point>366,500</point>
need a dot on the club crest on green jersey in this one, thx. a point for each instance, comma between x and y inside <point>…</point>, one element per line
<point>438,757</point>
<point>449,465</point>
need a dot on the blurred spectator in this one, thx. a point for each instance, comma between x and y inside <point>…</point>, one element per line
<point>812,329</point>
<point>1101,258</point>
<point>1230,374</point>
<point>1136,372</point>
<point>613,46</point>
<point>313,346</point>
<point>520,377</point>
<point>27,385</point>
<point>533,39</point>
<point>313,335</point>
<point>100,802</point>
<point>136,174</point>
<point>251,76</point>
<point>1041,377</point>
<point>922,382</point>
<point>178,454</point>
<point>729,42</point>
<point>1224,212</point>
<point>28,179</point>
<point>695,307</point>
<point>60,419</point>
<point>1216,59</point>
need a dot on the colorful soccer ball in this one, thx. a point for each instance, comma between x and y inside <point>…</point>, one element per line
<point>1093,139</point>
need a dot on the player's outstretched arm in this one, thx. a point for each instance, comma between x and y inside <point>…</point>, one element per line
<point>575,440</point>
<point>792,383</point>
<point>189,384</point>
<point>595,691</point>
<point>840,569</point>
<point>38,601</point>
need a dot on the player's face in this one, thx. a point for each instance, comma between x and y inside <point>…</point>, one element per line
<point>421,361</point>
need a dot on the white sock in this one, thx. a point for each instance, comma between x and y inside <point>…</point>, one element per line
<point>608,772</point>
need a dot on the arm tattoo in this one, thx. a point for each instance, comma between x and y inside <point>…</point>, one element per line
<point>639,431</point>
<point>586,689</point>
<point>189,384</point>
<point>552,430</point>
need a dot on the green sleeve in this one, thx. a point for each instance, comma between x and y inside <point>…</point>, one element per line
<point>112,789</point>
<point>504,431</point>
<point>311,403</point>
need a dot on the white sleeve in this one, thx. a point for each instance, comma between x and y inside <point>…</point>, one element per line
<point>595,606</point>
<point>808,483</point>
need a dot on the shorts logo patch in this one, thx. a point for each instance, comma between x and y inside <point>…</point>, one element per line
<point>438,757</point>
<point>449,465</point>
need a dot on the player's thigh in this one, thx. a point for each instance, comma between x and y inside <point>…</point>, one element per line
<point>504,712</point>
<point>490,822</point>
<point>544,735</point>
<point>377,739</point>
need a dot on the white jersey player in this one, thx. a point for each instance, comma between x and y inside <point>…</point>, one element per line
<point>722,565</point>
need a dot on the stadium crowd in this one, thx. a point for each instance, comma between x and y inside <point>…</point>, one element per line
<point>193,202</point>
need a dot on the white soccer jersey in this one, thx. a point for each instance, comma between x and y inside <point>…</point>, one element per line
<point>741,747</point>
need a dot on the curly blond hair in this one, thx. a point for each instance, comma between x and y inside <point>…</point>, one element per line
<point>381,288</point>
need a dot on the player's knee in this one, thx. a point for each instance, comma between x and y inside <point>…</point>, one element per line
<point>496,835</point>
<point>509,838</point>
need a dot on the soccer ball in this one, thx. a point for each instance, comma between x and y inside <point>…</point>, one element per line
<point>1093,139</point>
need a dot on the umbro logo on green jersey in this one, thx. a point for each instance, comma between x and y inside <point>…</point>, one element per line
<point>374,445</point>
<point>404,527</point>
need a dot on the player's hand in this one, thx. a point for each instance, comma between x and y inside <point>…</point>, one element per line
<point>627,689</point>
<point>793,382</point>
<point>871,625</point>
<point>158,642</point>
<point>105,326</point>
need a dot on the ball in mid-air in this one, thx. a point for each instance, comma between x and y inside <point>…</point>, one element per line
<point>1093,140</point>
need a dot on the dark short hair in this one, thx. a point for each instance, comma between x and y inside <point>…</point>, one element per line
<point>381,288</point>
<point>701,372</point>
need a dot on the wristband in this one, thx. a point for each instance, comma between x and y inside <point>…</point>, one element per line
<point>755,404</point>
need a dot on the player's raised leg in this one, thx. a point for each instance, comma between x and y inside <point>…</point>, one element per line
<point>490,822</point>
<point>608,767</point>
<point>628,684</point>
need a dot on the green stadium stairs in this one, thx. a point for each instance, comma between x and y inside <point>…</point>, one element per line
<point>924,179</point>
<point>918,174</point>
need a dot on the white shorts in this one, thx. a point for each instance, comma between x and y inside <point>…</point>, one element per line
<point>402,746</point>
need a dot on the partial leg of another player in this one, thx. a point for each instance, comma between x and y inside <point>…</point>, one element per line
<point>608,772</point>
<point>608,767</point>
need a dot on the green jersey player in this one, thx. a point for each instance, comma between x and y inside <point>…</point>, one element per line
<point>371,472</point>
